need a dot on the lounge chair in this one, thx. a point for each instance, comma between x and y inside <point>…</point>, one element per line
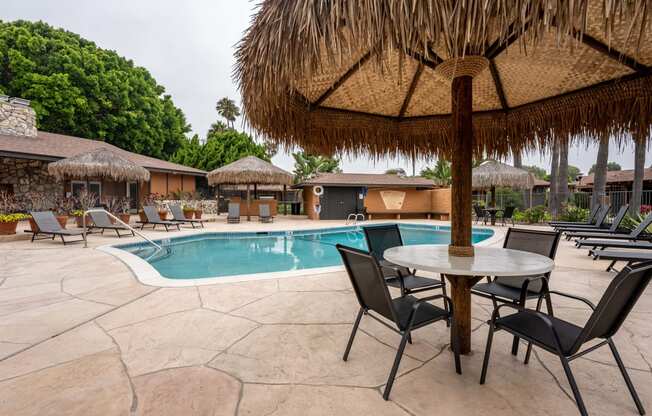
<point>602,244</point>
<point>382,237</point>
<point>589,221</point>
<point>631,257</point>
<point>614,228</point>
<point>47,224</point>
<point>402,315</point>
<point>565,339</point>
<point>636,234</point>
<point>153,219</point>
<point>519,289</point>
<point>177,216</point>
<point>233,216</point>
<point>101,221</point>
<point>599,223</point>
<point>264,214</point>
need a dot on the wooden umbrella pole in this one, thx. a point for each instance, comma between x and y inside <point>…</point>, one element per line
<point>248,204</point>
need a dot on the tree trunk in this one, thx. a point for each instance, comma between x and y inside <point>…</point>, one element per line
<point>600,173</point>
<point>562,174</point>
<point>639,171</point>
<point>553,200</point>
<point>518,162</point>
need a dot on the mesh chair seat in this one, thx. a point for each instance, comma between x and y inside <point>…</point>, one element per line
<point>502,291</point>
<point>389,268</point>
<point>526,324</point>
<point>426,313</point>
<point>412,282</point>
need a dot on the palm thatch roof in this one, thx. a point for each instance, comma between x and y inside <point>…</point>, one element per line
<point>249,170</point>
<point>100,162</point>
<point>493,173</point>
<point>374,77</point>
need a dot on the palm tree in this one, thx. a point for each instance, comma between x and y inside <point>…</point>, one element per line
<point>600,171</point>
<point>441,173</point>
<point>307,166</point>
<point>553,199</point>
<point>226,108</point>
<point>639,172</point>
<point>562,173</point>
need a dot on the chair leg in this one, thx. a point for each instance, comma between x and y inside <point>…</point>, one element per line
<point>515,343</point>
<point>355,329</point>
<point>397,362</point>
<point>487,354</point>
<point>628,381</point>
<point>443,291</point>
<point>529,344</point>
<point>573,385</point>
<point>409,337</point>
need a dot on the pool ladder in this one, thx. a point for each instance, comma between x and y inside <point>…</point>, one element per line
<point>119,221</point>
<point>353,218</point>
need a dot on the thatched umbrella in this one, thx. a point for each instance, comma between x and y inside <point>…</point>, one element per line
<point>247,171</point>
<point>99,163</point>
<point>492,173</point>
<point>450,78</point>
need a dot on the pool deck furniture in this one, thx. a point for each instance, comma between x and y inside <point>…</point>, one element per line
<point>600,222</point>
<point>233,216</point>
<point>178,216</point>
<point>589,221</point>
<point>102,222</point>
<point>636,234</point>
<point>631,257</point>
<point>464,272</point>
<point>518,290</point>
<point>566,339</point>
<point>48,225</point>
<point>264,214</point>
<point>479,214</point>
<point>154,219</point>
<point>508,215</point>
<point>614,228</point>
<point>492,212</point>
<point>602,244</point>
<point>406,313</point>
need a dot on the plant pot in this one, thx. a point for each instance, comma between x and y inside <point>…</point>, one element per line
<point>32,225</point>
<point>163,215</point>
<point>8,228</point>
<point>80,223</point>
<point>124,218</point>
<point>142,216</point>
<point>198,214</point>
<point>188,213</point>
<point>63,220</point>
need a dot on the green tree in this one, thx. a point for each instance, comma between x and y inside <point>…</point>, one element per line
<point>216,127</point>
<point>611,166</point>
<point>79,89</point>
<point>307,166</point>
<point>226,108</point>
<point>396,171</point>
<point>539,173</point>
<point>573,173</point>
<point>441,173</point>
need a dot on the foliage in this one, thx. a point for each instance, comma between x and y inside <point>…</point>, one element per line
<point>574,214</point>
<point>79,89</point>
<point>117,205</point>
<point>217,127</point>
<point>220,149</point>
<point>573,173</point>
<point>510,197</point>
<point>441,173</point>
<point>13,217</point>
<point>64,205</point>
<point>38,201</point>
<point>306,166</point>
<point>645,209</point>
<point>8,203</point>
<point>611,166</point>
<point>396,171</point>
<point>86,200</point>
<point>532,215</point>
<point>632,221</point>
<point>77,213</point>
<point>226,108</point>
<point>539,173</point>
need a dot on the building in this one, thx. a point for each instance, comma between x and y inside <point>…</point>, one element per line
<point>25,153</point>
<point>617,180</point>
<point>332,196</point>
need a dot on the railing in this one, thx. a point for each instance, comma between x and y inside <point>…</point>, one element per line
<point>352,219</point>
<point>119,221</point>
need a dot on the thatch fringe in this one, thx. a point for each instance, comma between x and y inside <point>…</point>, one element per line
<point>250,170</point>
<point>493,173</point>
<point>98,163</point>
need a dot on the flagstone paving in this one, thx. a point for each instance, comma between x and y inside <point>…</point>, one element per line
<point>79,335</point>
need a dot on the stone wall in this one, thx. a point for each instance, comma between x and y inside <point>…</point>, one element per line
<point>28,175</point>
<point>17,118</point>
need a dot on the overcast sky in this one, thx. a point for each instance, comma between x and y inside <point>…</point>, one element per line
<point>188,47</point>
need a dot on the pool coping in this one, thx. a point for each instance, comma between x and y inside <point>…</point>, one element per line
<point>146,274</point>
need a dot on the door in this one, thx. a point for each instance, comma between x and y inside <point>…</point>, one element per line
<point>132,194</point>
<point>339,202</point>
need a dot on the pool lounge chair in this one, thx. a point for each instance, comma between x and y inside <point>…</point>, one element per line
<point>631,257</point>
<point>589,221</point>
<point>102,222</point>
<point>636,234</point>
<point>47,224</point>
<point>234,213</point>
<point>599,223</point>
<point>614,228</point>
<point>595,244</point>
<point>179,217</point>
<point>264,214</point>
<point>154,219</point>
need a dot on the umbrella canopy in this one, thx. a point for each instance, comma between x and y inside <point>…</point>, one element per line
<point>249,170</point>
<point>492,173</point>
<point>100,162</point>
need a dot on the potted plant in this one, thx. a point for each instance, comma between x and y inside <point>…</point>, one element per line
<point>118,207</point>
<point>78,215</point>
<point>8,218</point>
<point>162,209</point>
<point>64,206</point>
<point>199,210</point>
<point>188,212</point>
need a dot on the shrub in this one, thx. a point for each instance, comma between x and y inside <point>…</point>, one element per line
<point>532,215</point>
<point>13,217</point>
<point>645,209</point>
<point>574,214</point>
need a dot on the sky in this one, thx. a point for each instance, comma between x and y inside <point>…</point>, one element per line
<point>188,47</point>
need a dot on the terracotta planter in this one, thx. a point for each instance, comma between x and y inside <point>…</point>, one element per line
<point>198,214</point>
<point>63,220</point>
<point>80,223</point>
<point>124,218</point>
<point>188,213</point>
<point>8,228</point>
<point>163,215</point>
<point>142,216</point>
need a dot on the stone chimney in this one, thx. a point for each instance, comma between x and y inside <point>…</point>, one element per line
<point>17,118</point>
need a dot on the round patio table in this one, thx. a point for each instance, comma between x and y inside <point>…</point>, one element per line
<point>492,213</point>
<point>464,272</point>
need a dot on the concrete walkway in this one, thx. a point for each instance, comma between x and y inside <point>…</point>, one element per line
<point>79,335</point>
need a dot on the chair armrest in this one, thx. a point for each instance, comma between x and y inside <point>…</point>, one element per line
<point>568,295</point>
<point>526,283</point>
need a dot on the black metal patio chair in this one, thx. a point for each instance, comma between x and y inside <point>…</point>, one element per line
<point>565,339</point>
<point>518,290</point>
<point>480,214</point>
<point>382,237</point>
<point>508,215</point>
<point>402,315</point>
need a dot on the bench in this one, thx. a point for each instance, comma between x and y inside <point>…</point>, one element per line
<point>444,216</point>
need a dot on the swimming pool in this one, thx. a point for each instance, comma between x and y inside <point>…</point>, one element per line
<point>211,255</point>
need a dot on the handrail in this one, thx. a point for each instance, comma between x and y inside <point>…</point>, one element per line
<point>129,227</point>
<point>353,218</point>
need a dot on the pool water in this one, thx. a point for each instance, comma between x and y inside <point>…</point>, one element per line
<point>229,254</point>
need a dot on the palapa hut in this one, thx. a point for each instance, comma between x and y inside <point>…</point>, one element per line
<point>492,173</point>
<point>454,79</point>
<point>248,171</point>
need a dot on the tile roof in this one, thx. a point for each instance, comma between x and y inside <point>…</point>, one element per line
<point>540,182</point>
<point>616,176</point>
<point>58,146</point>
<point>368,179</point>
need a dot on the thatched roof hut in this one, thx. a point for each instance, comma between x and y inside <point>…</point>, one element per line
<point>492,173</point>
<point>98,163</point>
<point>249,170</point>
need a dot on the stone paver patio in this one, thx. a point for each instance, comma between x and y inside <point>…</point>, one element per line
<point>79,335</point>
